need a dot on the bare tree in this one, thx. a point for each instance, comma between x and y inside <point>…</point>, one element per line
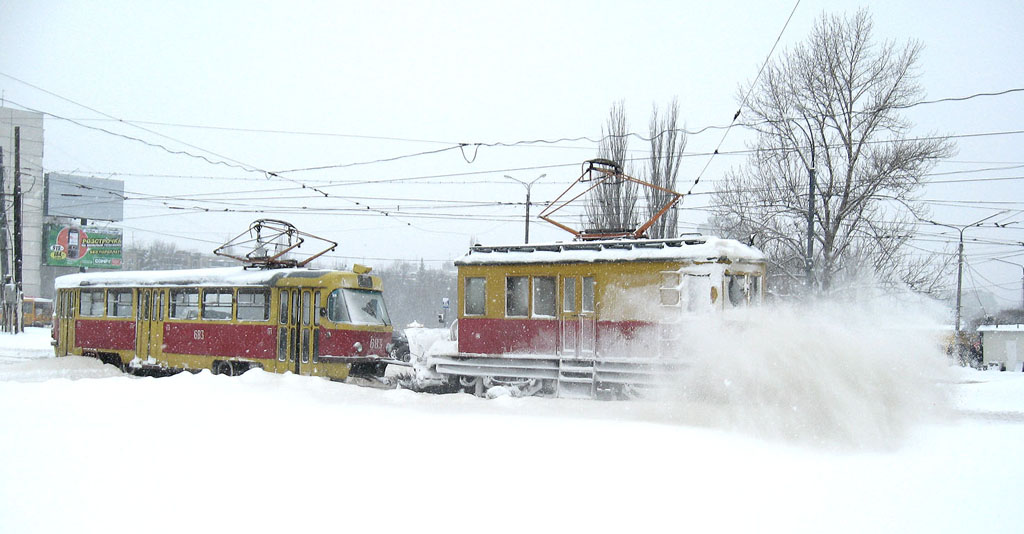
<point>667,146</point>
<point>612,206</point>
<point>829,108</point>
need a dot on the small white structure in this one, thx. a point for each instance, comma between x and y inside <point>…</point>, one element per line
<point>1003,346</point>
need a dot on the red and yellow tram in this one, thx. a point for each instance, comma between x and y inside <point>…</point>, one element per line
<point>587,318</point>
<point>310,322</point>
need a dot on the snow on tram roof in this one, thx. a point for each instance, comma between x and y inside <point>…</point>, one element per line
<point>701,248</point>
<point>226,276</point>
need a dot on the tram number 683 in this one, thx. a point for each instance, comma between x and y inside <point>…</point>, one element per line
<point>198,334</point>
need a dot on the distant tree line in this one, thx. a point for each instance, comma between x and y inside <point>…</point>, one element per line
<point>162,255</point>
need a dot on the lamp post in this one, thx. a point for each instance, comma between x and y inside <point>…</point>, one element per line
<point>527,185</point>
<point>1021,279</point>
<point>960,262</point>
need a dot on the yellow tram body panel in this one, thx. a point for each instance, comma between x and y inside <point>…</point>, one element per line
<point>308,322</point>
<point>624,287</point>
<point>586,317</point>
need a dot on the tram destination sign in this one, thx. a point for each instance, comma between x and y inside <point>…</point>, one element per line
<point>75,246</point>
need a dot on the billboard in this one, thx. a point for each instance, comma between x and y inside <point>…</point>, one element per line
<point>83,197</point>
<point>74,246</point>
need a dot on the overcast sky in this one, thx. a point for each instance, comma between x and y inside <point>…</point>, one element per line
<point>285,86</point>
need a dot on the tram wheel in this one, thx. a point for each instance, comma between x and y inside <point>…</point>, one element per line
<point>224,368</point>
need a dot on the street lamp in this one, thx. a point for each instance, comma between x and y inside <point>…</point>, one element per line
<point>527,186</point>
<point>1021,279</point>
<point>960,261</point>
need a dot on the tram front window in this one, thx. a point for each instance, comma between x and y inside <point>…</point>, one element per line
<point>357,306</point>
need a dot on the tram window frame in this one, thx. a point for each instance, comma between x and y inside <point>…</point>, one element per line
<point>569,294</point>
<point>218,309</point>
<point>180,310</point>
<point>89,301</point>
<point>249,307</point>
<point>119,303</point>
<point>545,297</point>
<point>283,296</point>
<point>337,308</point>
<point>517,296</point>
<point>475,288</point>
<point>589,293</point>
<point>754,293</point>
<point>736,290</point>
<point>158,305</point>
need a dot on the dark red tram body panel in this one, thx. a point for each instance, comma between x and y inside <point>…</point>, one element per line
<point>535,336</point>
<point>105,334</point>
<point>340,342</point>
<point>227,340</point>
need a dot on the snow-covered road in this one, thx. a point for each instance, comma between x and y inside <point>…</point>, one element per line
<point>86,449</point>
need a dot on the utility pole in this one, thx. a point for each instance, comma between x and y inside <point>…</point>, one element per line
<point>4,268</point>
<point>809,266</point>
<point>960,270</point>
<point>3,246</point>
<point>17,230</point>
<point>527,186</point>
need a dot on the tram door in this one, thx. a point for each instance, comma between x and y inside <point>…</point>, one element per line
<point>143,326</point>
<point>66,306</point>
<point>296,336</point>
<point>577,317</point>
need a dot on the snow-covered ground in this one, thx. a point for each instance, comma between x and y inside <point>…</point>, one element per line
<point>84,448</point>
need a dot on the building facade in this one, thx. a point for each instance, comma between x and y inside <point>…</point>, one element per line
<point>1003,346</point>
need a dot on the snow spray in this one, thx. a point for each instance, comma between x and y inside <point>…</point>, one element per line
<point>831,374</point>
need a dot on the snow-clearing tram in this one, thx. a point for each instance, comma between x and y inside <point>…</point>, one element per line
<point>280,317</point>
<point>594,318</point>
<point>599,316</point>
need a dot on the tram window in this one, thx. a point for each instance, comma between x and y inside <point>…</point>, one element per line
<point>755,289</point>
<point>569,294</point>
<point>92,303</point>
<point>476,296</point>
<point>517,296</point>
<point>337,310</point>
<point>544,296</point>
<point>253,305</point>
<point>306,312</point>
<point>316,314</point>
<point>119,303</point>
<point>184,304</point>
<point>366,307</point>
<point>282,315</point>
<point>216,304</point>
<point>737,290</point>
<point>158,305</point>
<point>588,294</point>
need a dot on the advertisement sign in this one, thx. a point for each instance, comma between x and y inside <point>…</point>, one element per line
<point>73,246</point>
<point>84,197</point>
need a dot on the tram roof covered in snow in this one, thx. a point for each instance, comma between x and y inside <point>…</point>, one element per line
<point>224,276</point>
<point>692,249</point>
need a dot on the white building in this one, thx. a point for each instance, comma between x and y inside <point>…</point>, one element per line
<point>30,132</point>
<point>1003,345</point>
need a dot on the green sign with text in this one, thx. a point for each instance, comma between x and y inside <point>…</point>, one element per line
<point>73,246</point>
